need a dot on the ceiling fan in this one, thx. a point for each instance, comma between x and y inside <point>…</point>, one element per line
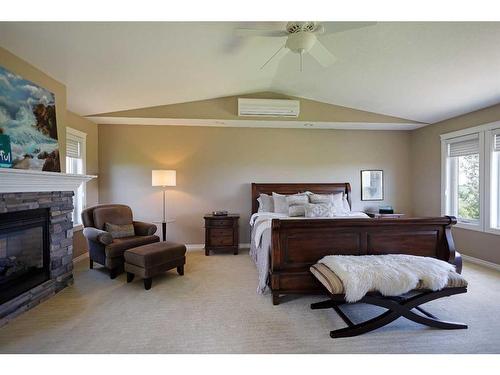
<point>302,37</point>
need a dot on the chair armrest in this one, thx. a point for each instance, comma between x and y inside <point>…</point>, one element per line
<point>97,235</point>
<point>144,229</point>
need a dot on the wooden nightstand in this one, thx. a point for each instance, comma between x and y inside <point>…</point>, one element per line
<point>221,233</point>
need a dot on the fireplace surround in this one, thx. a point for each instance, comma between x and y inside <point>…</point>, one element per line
<point>49,195</point>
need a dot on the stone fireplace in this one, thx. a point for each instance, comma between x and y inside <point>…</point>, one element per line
<point>36,237</point>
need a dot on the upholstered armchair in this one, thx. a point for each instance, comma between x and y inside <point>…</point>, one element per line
<point>103,248</point>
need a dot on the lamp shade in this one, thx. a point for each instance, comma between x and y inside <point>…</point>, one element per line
<point>163,177</point>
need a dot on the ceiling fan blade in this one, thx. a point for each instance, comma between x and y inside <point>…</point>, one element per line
<point>338,27</point>
<point>278,55</point>
<point>321,54</point>
<point>260,33</point>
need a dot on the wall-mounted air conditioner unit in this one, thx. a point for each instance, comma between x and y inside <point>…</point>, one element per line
<point>268,107</point>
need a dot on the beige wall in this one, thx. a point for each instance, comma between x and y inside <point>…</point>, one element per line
<point>226,108</point>
<point>215,167</point>
<point>426,169</point>
<point>92,193</point>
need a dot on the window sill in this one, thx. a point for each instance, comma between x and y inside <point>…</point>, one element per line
<point>493,231</point>
<point>477,228</point>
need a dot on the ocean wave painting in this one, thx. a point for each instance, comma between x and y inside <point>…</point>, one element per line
<point>28,120</point>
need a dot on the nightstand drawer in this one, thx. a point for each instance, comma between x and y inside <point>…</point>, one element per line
<point>219,223</point>
<point>222,232</point>
<point>221,241</point>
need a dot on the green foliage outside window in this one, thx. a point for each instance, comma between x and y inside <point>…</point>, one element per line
<point>468,188</point>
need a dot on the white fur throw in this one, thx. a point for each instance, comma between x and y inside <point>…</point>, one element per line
<point>391,275</point>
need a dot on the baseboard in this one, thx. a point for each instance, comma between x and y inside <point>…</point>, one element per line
<point>197,247</point>
<point>481,262</point>
<point>81,257</point>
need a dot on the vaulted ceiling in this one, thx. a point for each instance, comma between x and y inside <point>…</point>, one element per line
<point>420,71</point>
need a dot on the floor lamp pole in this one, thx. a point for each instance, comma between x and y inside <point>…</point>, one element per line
<point>164,222</point>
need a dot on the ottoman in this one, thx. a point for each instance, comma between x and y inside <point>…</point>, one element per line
<point>152,259</point>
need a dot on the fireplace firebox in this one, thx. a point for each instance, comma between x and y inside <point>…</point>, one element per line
<point>24,251</point>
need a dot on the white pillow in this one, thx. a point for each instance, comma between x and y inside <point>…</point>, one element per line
<point>345,204</point>
<point>296,204</point>
<point>297,210</point>
<point>280,203</point>
<point>297,199</point>
<point>266,203</point>
<point>319,210</point>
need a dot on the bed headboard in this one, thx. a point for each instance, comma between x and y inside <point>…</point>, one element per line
<point>293,188</point>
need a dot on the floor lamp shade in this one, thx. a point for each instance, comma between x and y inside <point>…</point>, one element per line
<point>163,177</point>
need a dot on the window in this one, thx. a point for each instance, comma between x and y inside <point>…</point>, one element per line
<point>471,177</point>
<point>494,204</point>
<point>75,164</point>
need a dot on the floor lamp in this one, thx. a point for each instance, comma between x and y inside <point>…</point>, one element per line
<point>163,178</point>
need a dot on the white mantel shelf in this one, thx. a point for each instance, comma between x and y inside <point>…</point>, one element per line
<point>22,180</point>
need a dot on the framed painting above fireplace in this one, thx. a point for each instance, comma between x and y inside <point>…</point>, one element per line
<point>28,125</point>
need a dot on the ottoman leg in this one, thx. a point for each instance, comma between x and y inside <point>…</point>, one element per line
<point>180,270</point>
<point>91,263</point>
<point>130,277</point>
<point>147,283</point>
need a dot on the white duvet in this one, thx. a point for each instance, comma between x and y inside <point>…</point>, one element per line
<point>260,246</point>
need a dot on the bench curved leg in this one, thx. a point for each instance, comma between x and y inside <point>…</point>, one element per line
<point>396,307</point>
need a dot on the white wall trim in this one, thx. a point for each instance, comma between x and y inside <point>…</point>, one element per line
<point>255,123</point>
<point>481,262</point>
<point>474,129</point>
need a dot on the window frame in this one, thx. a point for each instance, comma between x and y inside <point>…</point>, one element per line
<point>82,138</point>
<point>486,134</point>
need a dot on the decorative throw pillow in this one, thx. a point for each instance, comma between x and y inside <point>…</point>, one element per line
<point>334,199</point>
<point>120,231</point>
<point>266,203</point>
<point>319,210</point>
<point>296,210</point>
<point>280,204</point>
<point>296,204</point>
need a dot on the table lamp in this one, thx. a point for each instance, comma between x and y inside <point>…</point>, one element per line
<point>164,178</point>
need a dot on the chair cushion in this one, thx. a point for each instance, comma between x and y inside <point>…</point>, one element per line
<point>153,254</point>
<point>119,245</point>
<point>118,214</point>
<point>334,285</point>
<point>120,231</point>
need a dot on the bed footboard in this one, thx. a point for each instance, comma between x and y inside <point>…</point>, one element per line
<point>298,244</point>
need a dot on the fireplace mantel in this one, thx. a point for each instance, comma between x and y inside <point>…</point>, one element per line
<point>22,180</point>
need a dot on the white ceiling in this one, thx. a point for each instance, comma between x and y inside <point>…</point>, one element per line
<point>420,71</point>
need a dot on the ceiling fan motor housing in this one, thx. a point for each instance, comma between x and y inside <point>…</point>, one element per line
<point>301,41</point>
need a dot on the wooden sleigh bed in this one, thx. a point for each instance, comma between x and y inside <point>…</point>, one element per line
<point>298,244</point>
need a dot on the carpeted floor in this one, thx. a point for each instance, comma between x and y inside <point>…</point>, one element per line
<point>214,308</point>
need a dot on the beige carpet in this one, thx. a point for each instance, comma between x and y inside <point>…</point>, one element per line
<point>214,308</point>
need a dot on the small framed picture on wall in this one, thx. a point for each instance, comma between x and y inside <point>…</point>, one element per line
<point>372,185</point>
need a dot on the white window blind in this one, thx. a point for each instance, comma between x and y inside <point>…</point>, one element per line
<point>496,142</point>
<point>464,146</point>
<point>73,147</point>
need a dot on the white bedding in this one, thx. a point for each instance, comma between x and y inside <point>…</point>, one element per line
<point>260,244</point>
